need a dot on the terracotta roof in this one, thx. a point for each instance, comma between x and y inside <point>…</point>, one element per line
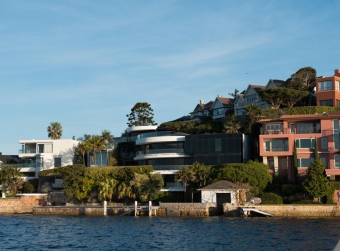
<point>208,105</point>
<point>222,184</point>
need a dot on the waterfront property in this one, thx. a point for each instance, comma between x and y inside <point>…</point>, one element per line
<point>167,151</point>
<point>38,155</point>
<point>276,143</point>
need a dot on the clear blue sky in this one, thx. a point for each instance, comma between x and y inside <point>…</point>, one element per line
<point>85,63</point>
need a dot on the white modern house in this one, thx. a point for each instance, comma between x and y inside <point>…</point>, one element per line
<point>38,155</point>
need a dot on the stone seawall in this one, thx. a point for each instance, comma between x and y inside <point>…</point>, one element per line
<point>186,209</point>
<point>23,204</point>
<point>82,210</point>
<point>288,210</point>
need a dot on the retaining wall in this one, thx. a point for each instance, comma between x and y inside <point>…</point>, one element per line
<point>23,204</point>
<point>288,210</point>
<point>186,209</point>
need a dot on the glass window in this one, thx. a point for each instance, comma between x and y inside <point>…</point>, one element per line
<point>284,163</point>
<point>57,161</point>
<point>328,102</point>
<point>40,148</point>
<point>292,128</point>
<point>324,143</point>
<point>48,148</point>
<point>337,85</point>
<point>336,134</point>
<point>305,143</point>
<point>325,85</point>
<point>337,161</point>
<point>305,162</point>
<point>323,160</point>
<point>218,145</point>
<point>305,128</point>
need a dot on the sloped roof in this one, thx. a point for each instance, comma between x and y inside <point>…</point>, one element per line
<point>222,184</point>
<point>279,83</point>
<point>257,88</point>
<point>226,101</point>
<point>201,107</point>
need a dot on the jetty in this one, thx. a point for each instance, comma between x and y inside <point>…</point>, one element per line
<point>251,211</point>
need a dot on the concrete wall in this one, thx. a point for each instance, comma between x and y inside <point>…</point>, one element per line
<point>288,210</point>
<point>186,209</point>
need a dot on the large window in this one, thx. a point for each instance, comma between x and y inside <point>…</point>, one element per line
<point>337,85</point>
<point>337,161</point>
<point>304,128</point>
<point>305,143</point>
<point>328,102</point>
<point>325,85</point>
<point>251,100</point>
<point>276,145</point>
<point>336,134</point>
<point>305,162</point>
<point>270,127</point>
<point>284,163</point>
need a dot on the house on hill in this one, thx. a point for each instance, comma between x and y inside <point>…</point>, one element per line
<point>221,106</point>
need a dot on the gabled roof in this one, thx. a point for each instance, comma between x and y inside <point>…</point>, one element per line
<point>222,184</point>
<point>202,106</point>
<point>257,88</point>
<point>279,83</point>
<point>226,101</point>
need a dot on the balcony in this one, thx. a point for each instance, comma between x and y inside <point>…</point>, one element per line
<point>291,131</point>
<point>160,151</point>
<point>158,134</point>
<point>27,151</point>
<point>277,149</point>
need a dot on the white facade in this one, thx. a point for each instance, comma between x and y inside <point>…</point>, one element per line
<point>211,195</point>
<point>38,155</point>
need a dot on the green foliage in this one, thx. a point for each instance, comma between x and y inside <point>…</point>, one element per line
<point>141,115</point>
<point>147,187</point>
<point>253,173</point>
<point>271,198</point>
<point>106,189</point>
<point>73,177</point>
<point>317,184</point>
<point>55,130</point>
<point>10,179</point>
<point>276,113</point>
<point>290,189</point>
<point>201,175</point>
<point>27,187</point>
<point>206,126</point>
<point>232,124</point>
<point>275,96</point>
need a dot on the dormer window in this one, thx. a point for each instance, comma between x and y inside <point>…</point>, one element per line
<point>325,85</point>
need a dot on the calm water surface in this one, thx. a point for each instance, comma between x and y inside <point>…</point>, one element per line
<point>29,232</point>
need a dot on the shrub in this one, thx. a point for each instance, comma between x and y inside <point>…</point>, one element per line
<point>271,198</point>
<point>27,187</point>
<point>290,189</point>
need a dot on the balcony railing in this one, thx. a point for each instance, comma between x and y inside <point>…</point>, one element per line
<point>161,151</point>
<point>23,165</point>
<point>157,134</point>
<point>27,151</point>
<point>277,149</point>
<point>291,131</point>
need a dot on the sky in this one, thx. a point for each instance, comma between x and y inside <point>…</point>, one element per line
<point>86,63</point>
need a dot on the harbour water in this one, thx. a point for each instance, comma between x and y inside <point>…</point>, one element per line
<point>29,232</point>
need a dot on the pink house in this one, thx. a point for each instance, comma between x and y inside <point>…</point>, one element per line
<point>276,143</point>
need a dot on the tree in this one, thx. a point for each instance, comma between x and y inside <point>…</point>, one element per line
<point>73,179</point>
<point>275,96</point>
<point>147,187</point>
<point>295,163</point>
<point>141,115</point>
<point>202,174</point>
<point>317,184</point>
<point>108,138</point>
<point>97,144</point>
<point>55,130</point>
<point>316,150</point>
<point>306,76</point>
<point>234,94</point>
<point>106,189</point>
<point>231,124</point>
<point>82,148</point>
<point>11,179</point>
<point>184,175</point>
<point>253,113</point>
<point>291,96</point>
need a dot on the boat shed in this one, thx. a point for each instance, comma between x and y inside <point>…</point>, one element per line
<point>222,192</point>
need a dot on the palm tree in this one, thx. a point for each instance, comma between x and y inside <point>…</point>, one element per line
<point>97,144</point>
<point>231,124</point>
<point>107,189</point>
<point>184,175</point>
<point>202,174</point>
<point>108,138</point>
<point>82,148</point>
<point>55,130</point>
<point>10,178</point>
<point>124,190</point>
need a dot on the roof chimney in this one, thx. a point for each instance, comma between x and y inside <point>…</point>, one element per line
<point>337,72</point>
<point>201,102</point>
